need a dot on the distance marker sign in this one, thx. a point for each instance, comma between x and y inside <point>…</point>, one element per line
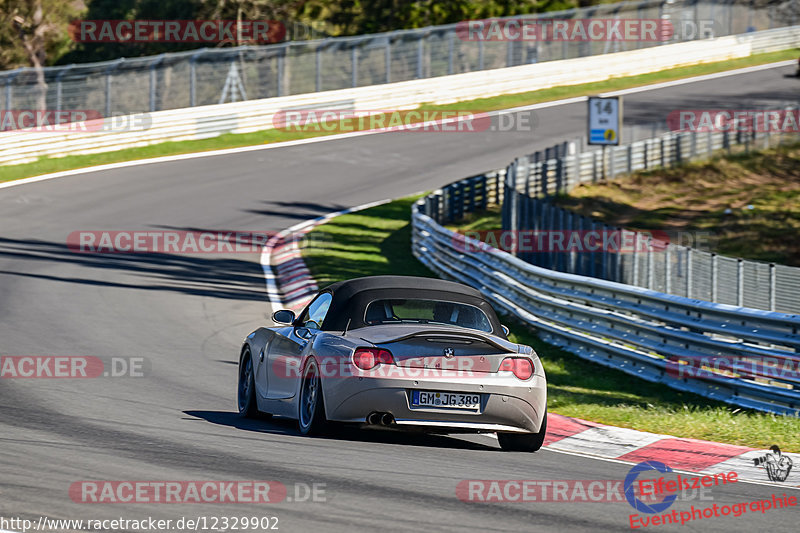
<point>605,120</point>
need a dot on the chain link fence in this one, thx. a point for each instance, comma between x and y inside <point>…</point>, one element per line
<point>648,260</point>
<point>213,76</point>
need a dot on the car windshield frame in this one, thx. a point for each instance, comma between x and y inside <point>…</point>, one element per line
<point>487,322</point>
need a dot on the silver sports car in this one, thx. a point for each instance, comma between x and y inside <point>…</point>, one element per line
<point>396,351</point>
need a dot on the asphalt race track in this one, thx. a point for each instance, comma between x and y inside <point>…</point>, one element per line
<point>187,315</point>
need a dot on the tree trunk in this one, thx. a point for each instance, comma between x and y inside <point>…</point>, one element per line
<point>41,84</point>
<point>35,45</point>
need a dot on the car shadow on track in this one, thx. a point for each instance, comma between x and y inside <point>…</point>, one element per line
<point>286,426</point>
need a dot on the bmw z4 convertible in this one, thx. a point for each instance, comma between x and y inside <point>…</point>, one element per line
<point>398,351</point>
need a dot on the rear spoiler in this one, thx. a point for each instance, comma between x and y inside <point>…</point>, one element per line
<point>455,336</point>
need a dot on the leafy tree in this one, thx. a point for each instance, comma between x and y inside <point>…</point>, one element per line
<point>353,17</point>
<point>132,10</point>
<point>32,33</point>
<point>41,36</point>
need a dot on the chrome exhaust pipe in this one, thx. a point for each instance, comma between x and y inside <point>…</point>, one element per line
<point>387,419</point>
<point>374,418</point>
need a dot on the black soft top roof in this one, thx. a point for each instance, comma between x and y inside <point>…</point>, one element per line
<point>351,297</point>
<point>350,287</point>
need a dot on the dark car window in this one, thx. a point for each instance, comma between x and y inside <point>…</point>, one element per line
<point>417,311</point>
<point>315,314</point>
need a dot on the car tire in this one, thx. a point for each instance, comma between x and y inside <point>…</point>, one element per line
<point>311,405</point>
<point>246,395</point>
<point>523,442</point>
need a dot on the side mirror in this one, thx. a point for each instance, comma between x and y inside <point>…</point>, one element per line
<point>505,329</point>
<point>284,316</point>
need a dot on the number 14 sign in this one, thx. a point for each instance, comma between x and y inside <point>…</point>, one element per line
<point>605,120</point>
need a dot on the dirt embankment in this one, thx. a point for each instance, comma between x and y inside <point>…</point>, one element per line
<point>750,202</point>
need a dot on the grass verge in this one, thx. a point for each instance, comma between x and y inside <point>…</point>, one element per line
<point>55,164</point>
<point>748,204</point>
<point>377,241</point>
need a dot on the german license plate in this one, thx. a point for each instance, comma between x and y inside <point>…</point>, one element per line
<point>450,400</point>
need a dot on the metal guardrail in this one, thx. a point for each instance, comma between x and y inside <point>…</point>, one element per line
<point>531,182</point>
<point>210,76</point>
<point>736,355</point>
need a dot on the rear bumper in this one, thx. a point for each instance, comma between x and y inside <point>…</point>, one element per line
<point>507,404</point>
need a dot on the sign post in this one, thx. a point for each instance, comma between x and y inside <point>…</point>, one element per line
<point>605,123</point>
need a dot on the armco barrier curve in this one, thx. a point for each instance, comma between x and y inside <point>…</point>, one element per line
<point>745,357</point>
<point>257,115</point>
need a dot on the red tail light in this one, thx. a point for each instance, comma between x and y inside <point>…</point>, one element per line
<point>522,367</point>
<point>368,358</point>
